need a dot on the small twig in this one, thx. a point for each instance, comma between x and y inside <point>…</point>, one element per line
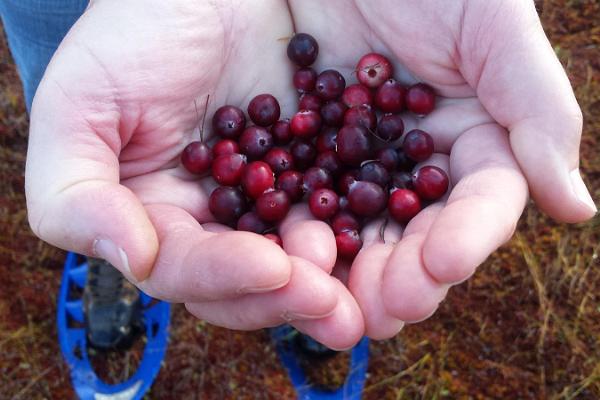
<point>33,382</point>
<point>382,230</point>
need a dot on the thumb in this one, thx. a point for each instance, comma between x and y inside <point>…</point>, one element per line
<point>522,84</point>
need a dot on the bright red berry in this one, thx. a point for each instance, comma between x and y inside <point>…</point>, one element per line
<point>224,147</point>
<point>309,101</point>
<point>348,244</point>
<point>344,221</point>
<point>373,70</point>
<point>257,177</point>
<point>273,206</point>
<point>356,95</point>
<point>389,97</point>
<point>196,157</point>
<point>430,182</point>
<point>227,169</point>
<point>420,99</point>
<point>323,203</point>
<point>403,205</point>
<point>306,124</point>
<point>354,145</point>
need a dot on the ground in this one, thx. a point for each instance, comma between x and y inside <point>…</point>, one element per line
<point>526,326</point>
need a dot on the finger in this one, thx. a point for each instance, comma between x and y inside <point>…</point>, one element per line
<point>194,265</point>
<point>522,84</point>
<point>310,293</point>
<point>304,236</point>
<point>483,208</point>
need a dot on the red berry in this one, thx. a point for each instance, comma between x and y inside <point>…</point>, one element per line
<point>354,145</point>
<point>279,160</point>
<point>316,178</point>
<point>306,124</point>
<point>323,203</point>
<point>257,177</point>
<point>273,206</point>
<point>327,139</point>
<point>304,155</point>
<point>418,145</point>
<point>305,79</point>
<point>255,142</point>
<point>250,222</point>
<point>366,199</point>
<point>373,70</point>
<point>333,112</point>
<point>388,157</point>
<point>362,115</point>
<point>281,132</point>
<point>229,122</point>
<point>375,172</point>
<point>402,180</point>
<point>389,97</point>
<point>330,161</point>
<point>264,110</point>
<point>330,84</point>
<point>227,204</point>
<point>224,147</point>
<point>227,169</point>
<point>348,244</point>
<point>274,238</point>
<point>344,221</point>
<point>196,157</point>
<point>303,49</point>
<point>347,181</point>
<point>403,205</point>
<point>291,183</point>
<point>310,101</point>
<point>356,95</point>
<point>430,182</point>
<point>390,127</point>
<point>420,99</point>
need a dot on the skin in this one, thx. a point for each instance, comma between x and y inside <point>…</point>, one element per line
<point>116,107</point>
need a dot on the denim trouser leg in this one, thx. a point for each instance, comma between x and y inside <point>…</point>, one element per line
<point>34,29</point>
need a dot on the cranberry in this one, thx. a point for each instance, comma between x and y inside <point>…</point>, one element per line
<point>306,124</point>
<point>347,181</point>
<point>418,145</point>
<point>366,199</point>
<point>403,205</point>
<point>373,69</point>
<point>255,142</point>
<point>330,161</point>
<point>291,183</point>
<point>273,206</point>
<point>227,204</point>
<point>389,97</point>
<point>257,177</point>
<point>388,157</point>
<point>354,145</point>
<point>430,182</point>
<point>402,180</point>
<point>264,110</point>
<point>405,163</point>
<point>304,155</point>
<point>344,221</point>
<point>344,204</point>
<point>330,84</point>
<point>327,139</point>
<point>356,95</point>
<point>250,222</point>
<point>310,101</point>
<point>279,160</point>
<point>390,127</point>
<point>196,157</point>
<point>305,79</point>
<point>274,238</point>
<point>303,49</point>
<point>375,172</point>
<point>362,115</point>
<point>420,99</point>
<point>281,132</point>
<point>227,169</point>
<point>323,203</point>
<point>348,244</point>
<point>224,147</point>
<point>316,178</point>
<point>333,113</point>
<point>229,122</point>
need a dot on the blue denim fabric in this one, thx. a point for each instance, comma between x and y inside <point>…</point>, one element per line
<point>34,29</point>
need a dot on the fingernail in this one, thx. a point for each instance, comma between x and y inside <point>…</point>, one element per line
<point>107,250</point>
<point>581,190</point>
<point>289,316</point>
<point>262,289</point>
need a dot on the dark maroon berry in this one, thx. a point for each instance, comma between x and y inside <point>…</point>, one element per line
<point>303,49</point>
<point>389,97</point>
<point>330,161</point>
<point>264,110</point>
<point>347,181</point>
<point>327,139</point>
<point>418,145</point>
<point>373,70</point>
<point>333,112</point>
<point>229,122</point>
<point>305,79</point>
<point>354,145</point>
<point>420,99</point>
<point>279,160</point>
<point>356,95</point>
<point>348,244</point>
<point>430,182</point>
<point>362,115</point>
<point>306,124</point>
<point>273,206</point>
<point>344,221</point>
<point>310,101</point>
<point>274,238</point>
<point>323,203</point>
<point>250,222</point>
<point>227,169</point>
<point>316,178</point>
<point>291,183</point>
<point>330,84</point>
<point>227,204</point>
<point>367,199</point>
<point>390,127</point>
<point>257,177</point>
<point>304,155</point>
<point>255,142</point>
<point>344,204</point>
<point>403,205</point>
<point>375,172</point>
<point>405,163</point>
<point>402,180</point>
<point>281,132</point>
<point>388,157</point>
<point>196,157</point>
<point>224,147</point>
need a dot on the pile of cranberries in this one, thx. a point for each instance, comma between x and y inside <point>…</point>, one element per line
<point>336,152</point>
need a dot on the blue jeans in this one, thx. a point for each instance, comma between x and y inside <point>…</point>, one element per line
<point>34,29</point>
